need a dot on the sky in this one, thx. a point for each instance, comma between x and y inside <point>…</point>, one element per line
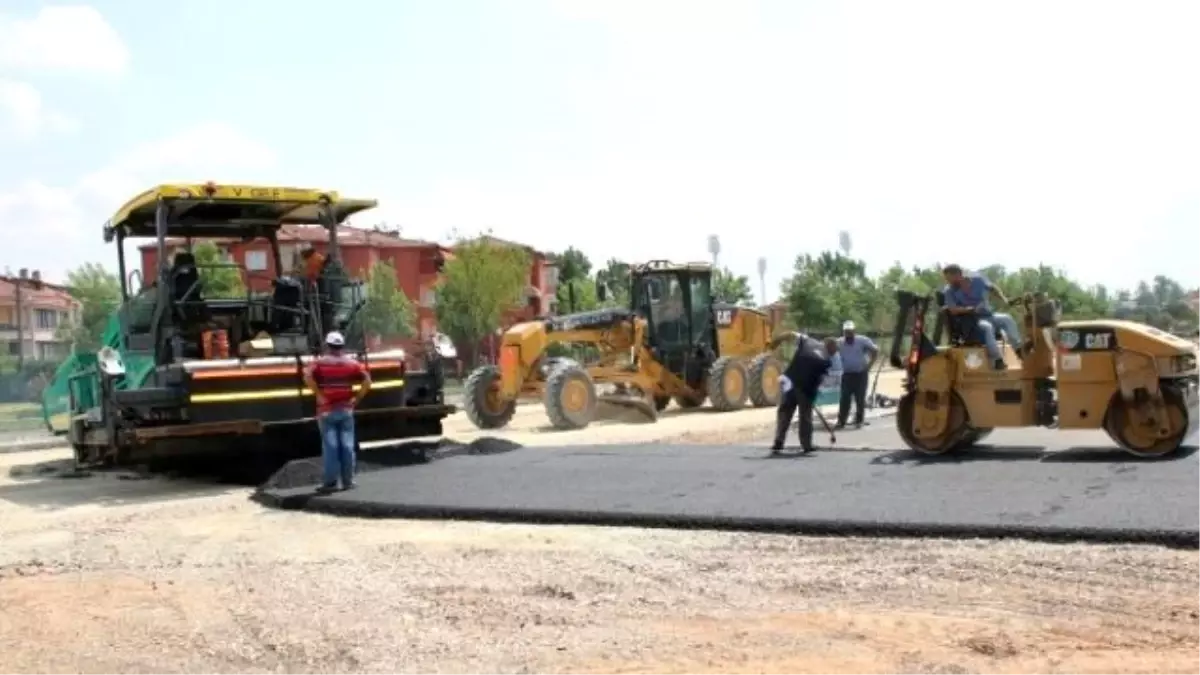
<point>1015,133</point>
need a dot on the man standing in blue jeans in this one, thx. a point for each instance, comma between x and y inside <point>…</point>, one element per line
<point>332,378</point>
<point>967,293</point>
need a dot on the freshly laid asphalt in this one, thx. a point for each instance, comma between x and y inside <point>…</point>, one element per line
<point>1033,483</point>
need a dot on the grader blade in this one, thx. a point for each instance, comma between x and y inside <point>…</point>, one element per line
<point>627,409</point>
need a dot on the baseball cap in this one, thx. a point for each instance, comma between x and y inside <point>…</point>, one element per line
<point>849,325</point>
<point>335,339</point>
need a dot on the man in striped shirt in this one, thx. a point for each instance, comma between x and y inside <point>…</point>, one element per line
<point>332,378</point>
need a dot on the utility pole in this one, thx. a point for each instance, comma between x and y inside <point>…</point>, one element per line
<point>714,248</point>
<point>20,281</point>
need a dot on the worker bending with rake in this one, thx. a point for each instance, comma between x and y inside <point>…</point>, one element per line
<point>332,378</point>
<point>798,387</point>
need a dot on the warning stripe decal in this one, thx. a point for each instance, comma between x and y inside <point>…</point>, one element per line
<point>286,392</point>
<point>277,370</point>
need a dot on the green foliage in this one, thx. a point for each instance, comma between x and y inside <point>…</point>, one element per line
<point>573,265</point>
<point>731,288</point>
<point>219,282</point>
<point>387,312</point>
<point>99,293</point>
<point>481,281</point>
<point>574,274</point>
<point>829,288</point>
<point>584,296</point>
<point>615,278</point>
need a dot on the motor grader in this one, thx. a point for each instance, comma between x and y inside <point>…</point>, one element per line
<point>672,342</point>
<point>1135,382</point>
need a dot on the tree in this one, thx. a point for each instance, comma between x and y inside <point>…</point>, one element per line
<point>573,265</point>
<point>577,295</point>
<point>387,312</point>
<point>574,270</point>
<point>616,281</point>
<point>731,288</point>
<point>481,281</point>
<point>99,294</point>
<point>219,282</point>
<point>828,289</point>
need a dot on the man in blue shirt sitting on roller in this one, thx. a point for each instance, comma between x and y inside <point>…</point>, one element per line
<point>967,293</point>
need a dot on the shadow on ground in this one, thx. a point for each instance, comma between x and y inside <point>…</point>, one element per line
<point>1027,453</point>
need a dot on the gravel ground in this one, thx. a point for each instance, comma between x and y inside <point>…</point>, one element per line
<point>110,575</point>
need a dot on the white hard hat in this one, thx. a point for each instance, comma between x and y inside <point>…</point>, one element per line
<point>335,339</point>
<point>849,325</point>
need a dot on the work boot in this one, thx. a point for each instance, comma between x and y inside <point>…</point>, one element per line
<point>1026,350</point>
<point>327,488</point>
<point>807,449</point>
<point>776,447</point>
<point>1000,364</point>
<point>839,426</point>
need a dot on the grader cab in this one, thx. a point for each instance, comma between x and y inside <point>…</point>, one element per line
<point>672,342</point>
<point>1135,382</point>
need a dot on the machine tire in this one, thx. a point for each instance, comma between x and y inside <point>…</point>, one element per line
<point>687,403</point>
<point>563,405</point>
<point>954,438</point>
<point>661,403</point>
<point>972,438</point>
<point>485,413</point>
<point>764,380</point>
<point>1177,408</point>
<point>728,383</point>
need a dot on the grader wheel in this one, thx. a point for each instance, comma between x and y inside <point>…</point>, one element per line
<point>957,427</point>
<point>1144,441</point>
<point>570,397</point>
<point>687,402</point>
<point>727,384</point>
<point>764,381</point>
<point>484,405</point>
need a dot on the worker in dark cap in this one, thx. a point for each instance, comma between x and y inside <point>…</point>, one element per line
<point>798,388</point>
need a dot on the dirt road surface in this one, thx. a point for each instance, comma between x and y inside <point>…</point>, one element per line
<point>103,574</point>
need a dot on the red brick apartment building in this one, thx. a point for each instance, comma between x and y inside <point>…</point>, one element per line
<point>415,262</point>
<point>44,309</point>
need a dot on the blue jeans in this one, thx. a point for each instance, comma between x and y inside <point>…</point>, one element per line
<point>1006,324</point>
<point>337,447</point>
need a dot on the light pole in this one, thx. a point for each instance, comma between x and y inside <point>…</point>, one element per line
<point>844,242</point>
<point>762,280</point>
<point>714,248</point>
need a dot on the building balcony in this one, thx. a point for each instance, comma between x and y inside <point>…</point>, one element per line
<point>8,333</point>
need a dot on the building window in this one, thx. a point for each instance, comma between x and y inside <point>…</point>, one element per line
<point>6,316</point>
<point>256,261</point>
<point>47,319</point>
<point>50,351</point>
<point>14,349</point>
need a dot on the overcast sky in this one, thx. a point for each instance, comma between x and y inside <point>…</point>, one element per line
<point>978,132</point>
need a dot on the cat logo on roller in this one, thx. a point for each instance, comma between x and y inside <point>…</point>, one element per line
<point>1130,380</point>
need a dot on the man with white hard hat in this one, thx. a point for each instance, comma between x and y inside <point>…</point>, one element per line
<point>858,354</point>
<point>332,378</point>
